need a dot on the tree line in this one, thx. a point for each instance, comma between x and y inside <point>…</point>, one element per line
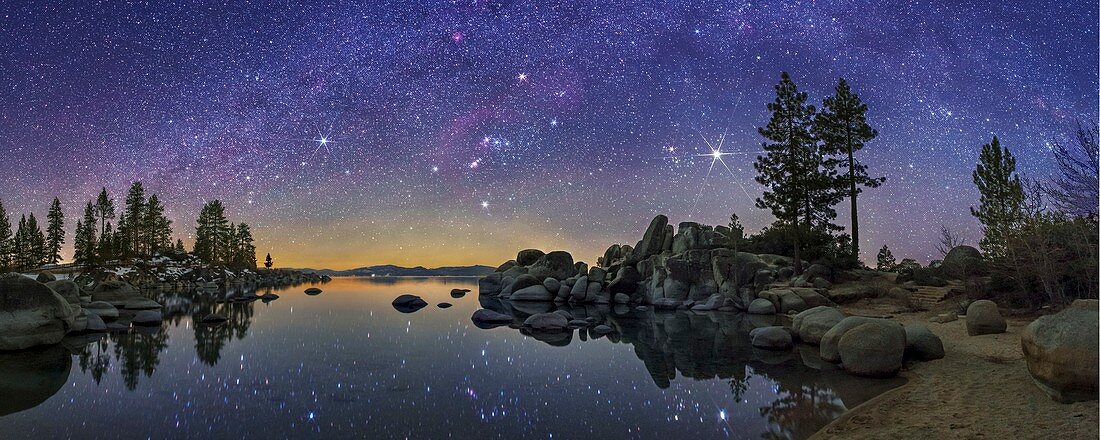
<point>810,165</point>
<point>143,230</point>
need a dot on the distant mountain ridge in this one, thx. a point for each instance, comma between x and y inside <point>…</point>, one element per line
<point>389,270</point>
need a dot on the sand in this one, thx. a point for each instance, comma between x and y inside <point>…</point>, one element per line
<point>980,390</point>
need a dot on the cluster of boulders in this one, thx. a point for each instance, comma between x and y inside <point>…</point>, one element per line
<point>42,313</point>
<point>690,267</point>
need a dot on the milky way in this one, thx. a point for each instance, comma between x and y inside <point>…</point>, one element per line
<point>454,133</point>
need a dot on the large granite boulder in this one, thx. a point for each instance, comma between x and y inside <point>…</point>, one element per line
<point>921,344</point>
<point>785,300</point>
<point>1062,352</point>
<point>103,309</point>
<point>579,290</point>
<point>828,347</point>
<point>811,325</point>
<point>961,261</point>
<point>691,235</point>
<point>115,292</point>
<point>771,338</point>
<point>626,281</point>
<point>67,289</point>
<point>538,292</point>
<point>31,314</point>
<point>506,265</point>
<point>528,257</point>
<point>737,268</point>
<point>556,264</point>
<point>485,318</point>
<point>761,306</point>
<point>45,277</point>
<point>547,322</point>
<point>653,241</point>
<point>490,284</point>
<point>524,281</point>
<point>983,318</point>
<point>408,303</point>
<point>873,349</point>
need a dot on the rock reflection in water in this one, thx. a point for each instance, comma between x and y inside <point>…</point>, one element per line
<point>28,378</point>
<point>715,345</point>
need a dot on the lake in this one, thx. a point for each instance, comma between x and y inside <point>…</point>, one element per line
<point>345,363</point>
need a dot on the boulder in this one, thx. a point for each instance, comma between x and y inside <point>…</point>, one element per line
<point>961,261</point>
<point>771,338</point>
<point>817,271</point>
<point>666,303</point>
<point>313,291</point>
<point>67,289</point>
<point>738,268</point>
<point>786,300</point>
<point>537,292</point>
<point>944,317</point>
<point>580,289</point>
<point>141,304</point>
<point>444,305</point>
<point>691,235</point>
<point>528,257</point>
<point>983,318</point>
<point>551,284</point>
<point>921,344</point>
<point>95,324</point>
<point>147,318</point>
<point>810,325</point>
<point>556,264</point>
<point>115,292</point>
<point>1062,352</point>
<point>506,265</point>
<point>621,298</point>
<point>32,313</point>
<point>602,329</point>
<point>593,292</point>
<point>409,303</point>
<point>597,274</point>
<point>104,309</point>
<point>490,284</point>
<point>654,239</point>
<point>485,318</point>
<point>873,349</point>
<point>761,306</point>
<point>524,281</point>
<point>459,293</point>
<point>547,322</point>
<point>626,281</point>
<point>828,347</point>
<point>45,277</point>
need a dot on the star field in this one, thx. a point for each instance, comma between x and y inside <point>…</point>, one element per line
<point>457,132</point>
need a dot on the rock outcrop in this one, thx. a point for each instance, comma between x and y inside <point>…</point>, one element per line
<point>1062,352</point>
<point>32,313</point>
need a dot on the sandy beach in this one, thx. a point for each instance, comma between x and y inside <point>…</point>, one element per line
<point>981,389</point>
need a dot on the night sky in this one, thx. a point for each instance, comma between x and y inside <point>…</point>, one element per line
<point>458,132</point>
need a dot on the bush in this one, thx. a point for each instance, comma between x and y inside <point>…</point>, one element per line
<point>818,246</point>
<point>1051,259</point>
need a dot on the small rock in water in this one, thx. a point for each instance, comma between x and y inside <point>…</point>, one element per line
<point>602,329</point>
<point>409,303</point>
<point>444,305</point>
<point>578,323</point>
<point>485,318</point>
<point>313,291</point>
<point>459,293</point>
<point>269,297</point>
<point>214,318</point>
<point>547,322</point>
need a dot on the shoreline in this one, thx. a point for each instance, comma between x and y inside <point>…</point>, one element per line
<point>980,389</point>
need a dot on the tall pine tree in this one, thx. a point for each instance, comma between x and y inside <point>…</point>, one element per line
<point>790,167</point>
<point>131,223</point>
<point>212,233</point>
<point>84,240</point>
<point>843,130</point>
<point>246,250</point>
<point>7,244</point>
<point>55,232</point>
<point>1002,196</point>
<point>157,229</point>
<point>105,209</point>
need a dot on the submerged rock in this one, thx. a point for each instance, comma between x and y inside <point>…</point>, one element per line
<point>771,338</point>
<point>983,318</point>
<point>459,293</point>
<point>547,322</point>
<point>1062,352</point>
<point>602,329</point>
<point>148,318</point>
<point>444,305</point>
<point>409,303</point>
<point>313,291</point>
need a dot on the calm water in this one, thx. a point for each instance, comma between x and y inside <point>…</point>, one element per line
<point>346,364</point>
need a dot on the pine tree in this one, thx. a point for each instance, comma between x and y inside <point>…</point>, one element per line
<point>790,169</point>
<point>886,261</point>
<point>105,209</point>
<point>246,250</point>
<point>737,231</point>
<point>179,247</point>
<point>212,233</point>
<point>268,262</point>
<point>20,245</point>
<point>157,229</point>
<point>131,223</point>
<point>232,246</point>
<point>84,241</point>
<point>30,244</point>
<point>55,232</point>
<point>1002,196</point>
<point>106,244</point>
<point>7,244</point>
<point>843,130</point>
